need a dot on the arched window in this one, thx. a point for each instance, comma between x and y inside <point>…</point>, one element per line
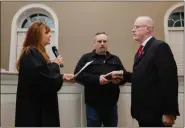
<point>174,31</point>
<point>22,20</point>
<point>38,17</point>
<point>176,19</point>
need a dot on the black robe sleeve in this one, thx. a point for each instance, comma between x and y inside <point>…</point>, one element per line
<point>45,75</point>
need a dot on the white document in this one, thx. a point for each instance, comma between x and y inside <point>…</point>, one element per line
<point>85,66</point>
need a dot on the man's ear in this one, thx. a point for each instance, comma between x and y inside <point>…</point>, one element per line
<point>149,29</point>
<point>94,43</point>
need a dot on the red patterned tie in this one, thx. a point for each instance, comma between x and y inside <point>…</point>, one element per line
<point>140,50</point>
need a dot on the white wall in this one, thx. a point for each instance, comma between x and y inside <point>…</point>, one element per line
<point>71,104</point>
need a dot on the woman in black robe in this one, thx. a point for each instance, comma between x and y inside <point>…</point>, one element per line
<point>39,80</point>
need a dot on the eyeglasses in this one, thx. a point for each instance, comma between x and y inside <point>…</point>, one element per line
<point>99,41</point>
<point>140,26</point>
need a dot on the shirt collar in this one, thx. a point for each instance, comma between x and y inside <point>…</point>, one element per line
<point>94,53</point>
<point>146,40</point>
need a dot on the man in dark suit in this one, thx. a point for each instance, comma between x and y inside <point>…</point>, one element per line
<point>154,97</point>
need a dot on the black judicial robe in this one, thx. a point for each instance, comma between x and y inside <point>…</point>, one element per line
<point>36,100</point>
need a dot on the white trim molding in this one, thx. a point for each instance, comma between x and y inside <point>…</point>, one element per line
<point>71,99</point>
<point>14,26</point>
<point>168,13</point>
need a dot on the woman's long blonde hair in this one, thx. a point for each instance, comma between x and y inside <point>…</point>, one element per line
<point>34,39</point>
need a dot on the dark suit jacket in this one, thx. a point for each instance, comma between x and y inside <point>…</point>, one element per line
<point>154,82</point>
<point>38,83</point>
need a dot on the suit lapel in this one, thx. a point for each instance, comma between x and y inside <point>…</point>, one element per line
<point>138,59</point>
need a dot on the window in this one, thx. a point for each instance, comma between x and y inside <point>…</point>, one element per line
<point>176,19</point>
<point>38,17</point>
<point>174,32</point>
<point>20,23</point>
<point>26,22</point>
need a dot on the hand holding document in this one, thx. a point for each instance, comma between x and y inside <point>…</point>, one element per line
<point>82,69</point>
<point>114,75</point>
<point>103,80</point>
<point>68,77</point>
